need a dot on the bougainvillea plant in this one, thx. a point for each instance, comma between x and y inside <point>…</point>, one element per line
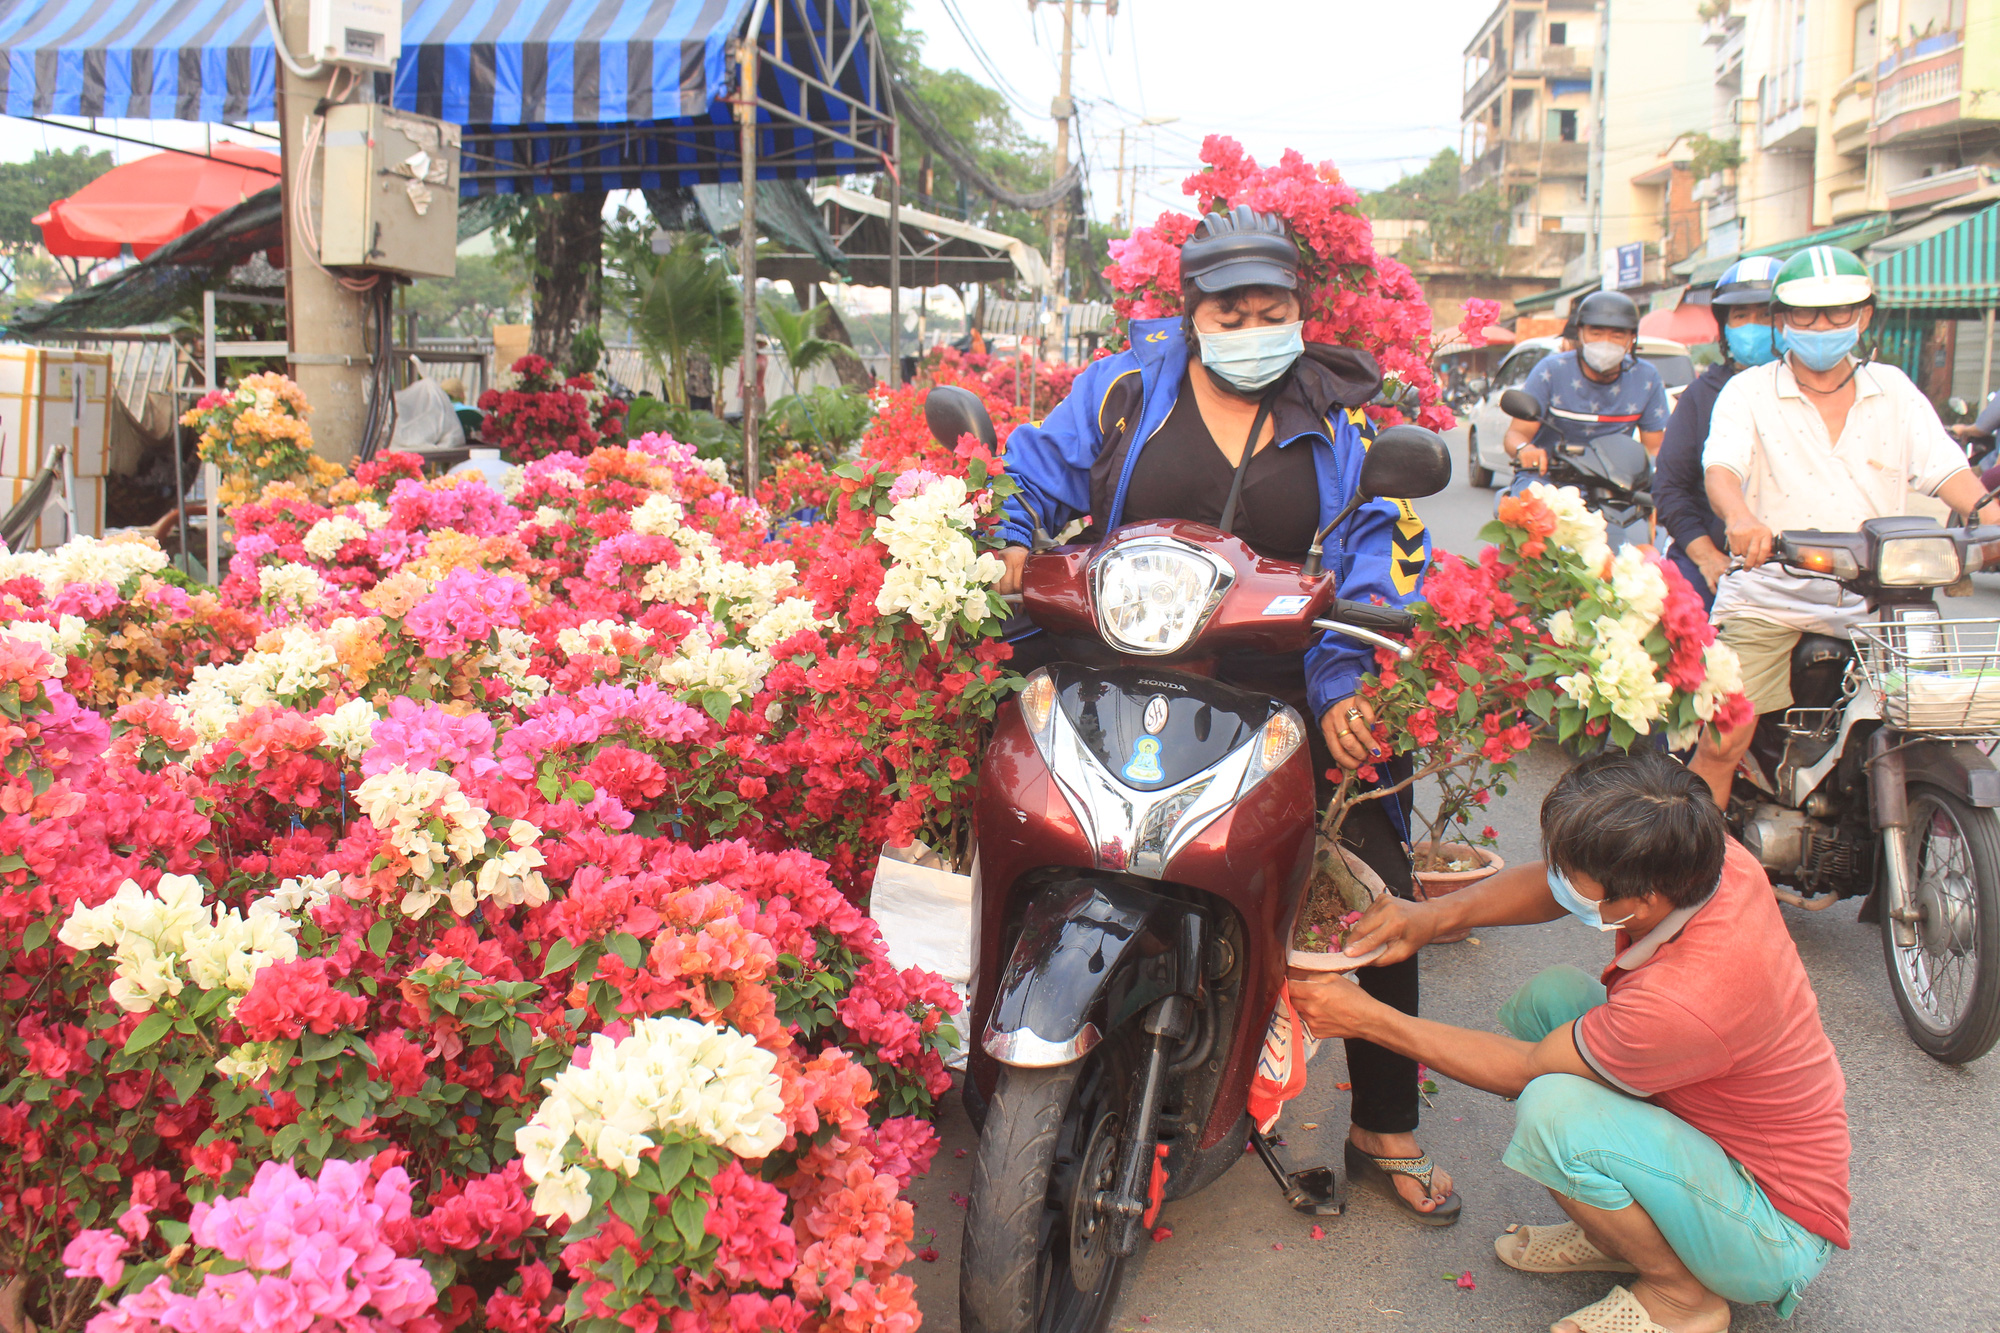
<point>256,434</point>
<point>541,413</point>
<point>1352,295</point>
<point>485,794</point>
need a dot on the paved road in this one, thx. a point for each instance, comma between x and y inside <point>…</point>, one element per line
<point>1926,1156</point>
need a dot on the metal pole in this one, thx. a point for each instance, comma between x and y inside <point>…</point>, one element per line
<point>896,257</point>
<point>746,116</point>
<point>1063,109</point>
<point>1594,177</point>
<point>211,475</point>
<point>1119,187</point>
<point>1986,366</point>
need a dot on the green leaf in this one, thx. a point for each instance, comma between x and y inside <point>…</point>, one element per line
<point>581,791</point>
<point>378,937</point>
<point>316,1047</point>
<point>631,1204</point>
<point>174,1233</point>
<point>188,1078</point>
<point>626,947</point>
<point>675,1158</point>
<point>151,1028</point>
<point>1541,702</point>
<point>718,704</point>
<point>721,994</point>
<point>1566,725</point>
<point>563,955</point>
<point>37,933</point>
<point>12,863</point>
<point>690,1217</point>
<point>1467,674</point>
<point>549,787</point>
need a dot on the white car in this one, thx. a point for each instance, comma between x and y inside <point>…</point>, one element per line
<point>1486,462</point>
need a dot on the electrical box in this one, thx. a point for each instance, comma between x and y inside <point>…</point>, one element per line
<point>367,34</point>
<point>389,196</point>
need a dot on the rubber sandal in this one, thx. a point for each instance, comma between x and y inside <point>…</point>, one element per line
<point>1620,1312</point>
<point>1559,1249</point>
<point>1380,1172</point>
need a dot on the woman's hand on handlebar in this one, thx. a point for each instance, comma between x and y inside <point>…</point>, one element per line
<point>1531,458</point>
<point>1015,558</point>
<point>1350,733</point>
<point>1749,540</point>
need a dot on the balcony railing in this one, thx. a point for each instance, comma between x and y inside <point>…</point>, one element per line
<point>1526,159</point>
<point>1852,112</point>
<point>1903,92</point>
<point>1483,86</point>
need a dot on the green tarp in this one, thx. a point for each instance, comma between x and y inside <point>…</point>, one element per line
<point>1958,269</point>
<point>1857,236</point>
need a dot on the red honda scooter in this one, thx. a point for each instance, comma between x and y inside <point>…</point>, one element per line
<point>1145,834</point>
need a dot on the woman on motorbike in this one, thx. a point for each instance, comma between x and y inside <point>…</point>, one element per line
<point>1226,417</point>
<point>1742,306</point>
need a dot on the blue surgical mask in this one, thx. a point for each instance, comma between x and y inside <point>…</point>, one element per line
<point>1578,906</point>
<point>1752,344</point>
<point>1822,349</point>
<point>1251,359</point>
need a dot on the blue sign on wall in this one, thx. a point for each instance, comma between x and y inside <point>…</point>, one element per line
<point>1631,264</point>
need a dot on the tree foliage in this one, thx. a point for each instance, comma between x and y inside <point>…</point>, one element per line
<point>486,290</point>
<point>28,188</point>
<point>676,304</point>
<point>1468,229</point>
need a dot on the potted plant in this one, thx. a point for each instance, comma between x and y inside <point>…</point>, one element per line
<point>1548,634</point>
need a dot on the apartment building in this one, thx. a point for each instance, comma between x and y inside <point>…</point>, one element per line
<point>1848,109</point>
<point>1525,121</point>
<point>1529,122</point>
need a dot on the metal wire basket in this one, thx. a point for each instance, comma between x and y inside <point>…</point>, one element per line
<point>1936,676</point>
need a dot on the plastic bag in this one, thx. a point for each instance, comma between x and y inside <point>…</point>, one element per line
<point>426,418</point>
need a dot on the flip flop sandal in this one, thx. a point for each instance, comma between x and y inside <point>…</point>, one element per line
<point>1559,1249</point>
<point>1620,1312</point>
<point>1380,1172</point>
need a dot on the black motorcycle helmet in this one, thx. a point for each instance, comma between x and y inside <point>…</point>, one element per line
<point>1606,310</point>
<point>1240,248</point>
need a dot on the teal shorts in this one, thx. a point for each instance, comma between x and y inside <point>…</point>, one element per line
<point>1600,1147</point>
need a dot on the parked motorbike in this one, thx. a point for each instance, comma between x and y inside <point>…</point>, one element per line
<point>1145,835</point>
<point>1875,781</point>
<point>1607,463</point>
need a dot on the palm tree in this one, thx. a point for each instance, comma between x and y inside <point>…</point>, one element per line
<point>681,304</point>
<point>797,333</point>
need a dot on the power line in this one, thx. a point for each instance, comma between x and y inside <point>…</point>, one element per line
<point>986,61</point>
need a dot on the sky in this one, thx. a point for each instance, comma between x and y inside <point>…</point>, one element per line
<point>1374,86</point>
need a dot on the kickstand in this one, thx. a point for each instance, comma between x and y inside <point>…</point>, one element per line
<point>1316,1191</point>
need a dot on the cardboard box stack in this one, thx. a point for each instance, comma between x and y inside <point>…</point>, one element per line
<point>51,396</point>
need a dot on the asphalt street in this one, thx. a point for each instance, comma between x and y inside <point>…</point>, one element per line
<point>1926,1163</point>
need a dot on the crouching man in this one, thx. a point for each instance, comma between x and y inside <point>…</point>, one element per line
<point>1687,1110</point>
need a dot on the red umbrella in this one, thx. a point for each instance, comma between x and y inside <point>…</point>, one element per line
<point>145,204</point>
<point>1685,323</point>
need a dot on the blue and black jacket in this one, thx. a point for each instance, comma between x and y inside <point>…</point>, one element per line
<point>1379,552</point>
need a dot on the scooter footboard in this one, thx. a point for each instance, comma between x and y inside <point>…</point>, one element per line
<point>1093,951</point>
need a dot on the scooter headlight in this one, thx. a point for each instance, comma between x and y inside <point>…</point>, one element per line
<point>1917,562</point>
<point>1038,701</point>
<point>1153,595</point>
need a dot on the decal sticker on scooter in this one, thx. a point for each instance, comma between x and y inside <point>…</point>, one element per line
<point>1289,605</point>
<point>1156,714</point>
<point>1144,766</point>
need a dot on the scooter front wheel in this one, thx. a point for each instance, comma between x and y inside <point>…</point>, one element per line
<point>1947,983</point>
<point>1038,1255</point>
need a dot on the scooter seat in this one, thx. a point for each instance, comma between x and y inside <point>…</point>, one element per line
<point>1819,663</point>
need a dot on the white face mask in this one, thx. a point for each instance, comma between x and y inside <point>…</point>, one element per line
<point>1251,359</point>
<point>1603,357</point>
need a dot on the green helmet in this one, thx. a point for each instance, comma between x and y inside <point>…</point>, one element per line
<point>1822,275</point>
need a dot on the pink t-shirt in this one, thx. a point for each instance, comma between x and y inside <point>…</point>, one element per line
<point>1718,1024</point>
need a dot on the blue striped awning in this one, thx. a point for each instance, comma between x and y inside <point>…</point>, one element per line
<point>552,94</point>
<point>1953,270</point>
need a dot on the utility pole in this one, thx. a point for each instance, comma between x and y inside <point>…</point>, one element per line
<point>1119,222</point>
<point>746,120</point>
<point>1062,110</point>
<point>325,323</point>
<point>1594,178</point>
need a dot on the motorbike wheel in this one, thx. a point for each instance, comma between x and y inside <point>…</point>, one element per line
<point>1947,984</point>
<point>1476,473</point>
<point>1037,1257</point>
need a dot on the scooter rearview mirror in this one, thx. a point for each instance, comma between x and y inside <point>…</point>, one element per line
<point>952,412</point>
<point>1405,462</point>
<point>1520,405</point>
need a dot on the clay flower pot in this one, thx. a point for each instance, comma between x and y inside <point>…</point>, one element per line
<point>1436,883</point>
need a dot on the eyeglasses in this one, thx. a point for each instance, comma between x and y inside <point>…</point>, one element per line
<point>1831,317</point>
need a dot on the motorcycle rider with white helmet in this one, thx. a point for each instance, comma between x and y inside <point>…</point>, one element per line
<point>1817,439</point>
